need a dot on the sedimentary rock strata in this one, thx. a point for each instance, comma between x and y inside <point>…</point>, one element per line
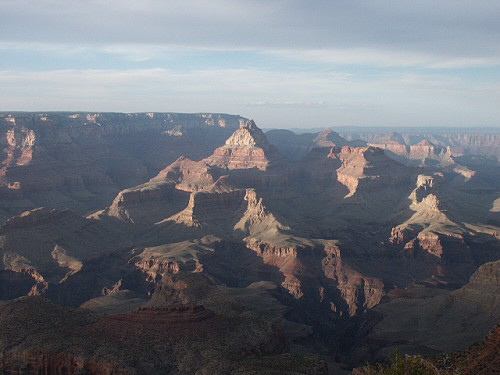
<point>336,234</point>
<point>81,160</point>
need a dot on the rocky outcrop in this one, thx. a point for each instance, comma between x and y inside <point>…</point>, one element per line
<point>256,219</point>
<point>421,151</point>
<point>432,237</point>
<point>284,256</point>
<point>296,146</point>
<point>51,245</point>
<point>426,150</point>
<point>160,261</point>
<point>189,175</point>
<point>445,321</point>
<point>396,148</point>
<point>480,143</point>
<point>187,339</point>
<point>209,208</point>
<point>426,208</point>
<point>335,234</point>
<point>247,148</point>
<point>145,204</point>
<point>81,160</point>
<point>246,159</point>
<point>357,292</point>
<point>328,138</point>
<point>368,168</point>
<point>356,168</point>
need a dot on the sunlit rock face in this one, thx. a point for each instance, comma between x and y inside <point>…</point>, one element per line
<point>211,242</point>
<point>81,160</point>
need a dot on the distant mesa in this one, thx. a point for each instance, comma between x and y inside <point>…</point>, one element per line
<point>160,242</point>
<point>246,158</point>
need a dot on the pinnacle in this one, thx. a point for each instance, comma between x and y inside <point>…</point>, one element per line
<point>248,135</point>
<point>248,124</point>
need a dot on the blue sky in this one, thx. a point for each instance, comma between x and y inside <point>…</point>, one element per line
<point>285,63</point>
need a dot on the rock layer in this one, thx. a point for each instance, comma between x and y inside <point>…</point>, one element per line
<point>81,160</point>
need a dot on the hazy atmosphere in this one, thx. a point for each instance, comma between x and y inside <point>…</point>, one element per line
<point>285,63</point>
<point>243,187</point>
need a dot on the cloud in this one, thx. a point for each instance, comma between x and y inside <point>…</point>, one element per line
<point>286,98</point>
<point>383,58</point>
<point>318,62</point>
<point>447,33</point>
<point>287,103</point>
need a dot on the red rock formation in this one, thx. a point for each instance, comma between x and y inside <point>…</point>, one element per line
<point>394,147</point>
<point>81,161</point>
<point>358,292</point>
<point>427,150</point>
<point>269,249</point>
<point>420,151</point>
<point>296,146</point>
<point>145,204</point>
<point>246,148</point>
<point>246,157</point>
<point>158,262</point>
<point>209,208</point>
<point>189,175</point>
<point>357,168</point>
<point>476,143</point>
<point>285,257</point>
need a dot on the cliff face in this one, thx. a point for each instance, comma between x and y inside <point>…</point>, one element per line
<point>246,159</point>
<point>145,204</point>
<point>355,170</point>
<point>358,292</point>
<point>424,150</point>
<point>189,175</point>
<point>333,190</point>
<point>443,321</point>
<point>321,242</point>
<point>45,251</point>
<point>475,143</point>
<point>81,160</point>
<point>296,146</point>
<point>209,208</point>
<point>435,240</point>
<point>368,168</point>
<point>221,204</point>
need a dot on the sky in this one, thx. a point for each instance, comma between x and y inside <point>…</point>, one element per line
<point>284,63</point>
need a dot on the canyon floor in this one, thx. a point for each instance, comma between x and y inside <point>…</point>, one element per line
<point>161,243</point>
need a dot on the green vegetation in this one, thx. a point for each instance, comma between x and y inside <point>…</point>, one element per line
<point>403,365</point>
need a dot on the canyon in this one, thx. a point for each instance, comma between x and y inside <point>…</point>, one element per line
<point>196,243</point>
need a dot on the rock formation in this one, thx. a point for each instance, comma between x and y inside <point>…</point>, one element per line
<point>322,242</point>
<point>475,142</point>
<point>81,160</point>
<point>187,339</point>
<point>296,146</point>
<point>246,158</point>
<point>430,321</point>
<point>145,204</point>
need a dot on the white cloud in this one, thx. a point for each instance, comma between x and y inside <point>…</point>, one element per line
<point>383,58</point>
<point>287,103</point>
<point>447,33</point>
<point>287,98</point>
